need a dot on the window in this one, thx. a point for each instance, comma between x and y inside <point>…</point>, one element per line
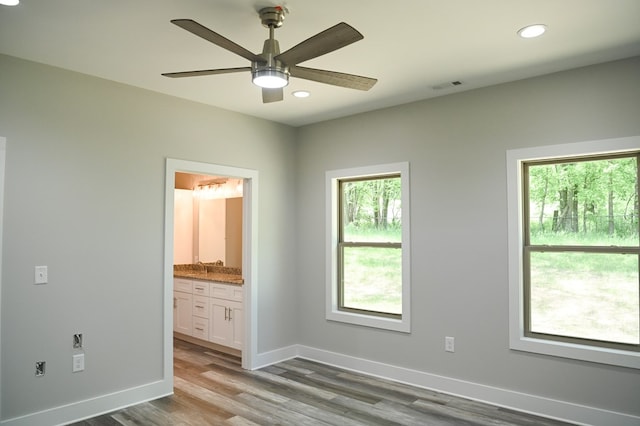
<point>575,285</point>
<point>368,246</point>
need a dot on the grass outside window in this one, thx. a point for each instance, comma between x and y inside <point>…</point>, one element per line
<point>581,251</point>
<point>370,246</point>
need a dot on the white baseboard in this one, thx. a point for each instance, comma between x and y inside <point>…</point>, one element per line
<point>93,407</point>
<point>545,407</point>
<point>533,404</point>
<point>273,357</point>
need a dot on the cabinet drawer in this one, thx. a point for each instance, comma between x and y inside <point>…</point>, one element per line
<point>200,288</point>
<point>200,328</point>
<point>182,285</point>
<point>201,306</point>
<point>226,291</point>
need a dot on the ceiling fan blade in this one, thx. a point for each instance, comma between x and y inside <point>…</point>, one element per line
<point>215,38</point>
<point>349,81</point>
<point>205,72</point>
<point>272,95</point>
<point>331,39</point>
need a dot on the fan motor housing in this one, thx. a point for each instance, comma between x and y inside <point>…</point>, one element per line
<point>272,17</point>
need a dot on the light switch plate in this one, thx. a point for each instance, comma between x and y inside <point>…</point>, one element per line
<point>41,275</point>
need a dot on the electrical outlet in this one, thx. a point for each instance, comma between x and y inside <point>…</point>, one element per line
<point>449,344</point>
<point>78,363</point>
<point>77,341</point>
<point>40,366</point>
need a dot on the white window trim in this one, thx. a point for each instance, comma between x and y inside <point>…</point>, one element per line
<point>332,312</point>
<point>517,340</point>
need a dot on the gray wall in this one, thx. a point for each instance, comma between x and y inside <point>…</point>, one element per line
<point>456,148</point>
<point>85,179</point>
<point>84,195</point>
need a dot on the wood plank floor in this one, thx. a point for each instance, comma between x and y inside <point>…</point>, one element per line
<point>212,389</point>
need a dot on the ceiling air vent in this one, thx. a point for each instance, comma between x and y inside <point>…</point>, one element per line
<point>447,85</point>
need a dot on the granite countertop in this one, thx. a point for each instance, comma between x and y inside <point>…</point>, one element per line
<point>209,272</point>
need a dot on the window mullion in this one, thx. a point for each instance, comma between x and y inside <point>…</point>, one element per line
<point>585,249</point>
<point>370,244</point>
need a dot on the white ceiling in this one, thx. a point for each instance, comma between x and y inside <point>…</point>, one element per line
<point>409,46</point>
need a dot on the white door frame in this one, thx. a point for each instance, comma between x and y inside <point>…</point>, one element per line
<point>249,255</point>
<point>3,151</point>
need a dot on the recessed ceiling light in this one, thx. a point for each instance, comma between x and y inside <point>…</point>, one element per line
<point>9,2</point>
<point>531,31</point>
<point>301,94</point>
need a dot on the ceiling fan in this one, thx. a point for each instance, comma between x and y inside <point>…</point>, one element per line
<point>271,69</point>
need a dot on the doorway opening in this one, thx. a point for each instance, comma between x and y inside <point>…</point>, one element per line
<point>210,256</point>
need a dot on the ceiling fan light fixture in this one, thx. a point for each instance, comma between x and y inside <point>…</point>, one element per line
<point>270,78</point>
<point>270,69</point>
<point>9,2</point>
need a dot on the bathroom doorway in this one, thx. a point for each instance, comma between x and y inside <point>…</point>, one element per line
<point>249,183</point>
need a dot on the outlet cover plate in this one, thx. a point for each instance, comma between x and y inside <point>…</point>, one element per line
<point>78,362</point>
<point>449,344</point>
<point>41,275</point>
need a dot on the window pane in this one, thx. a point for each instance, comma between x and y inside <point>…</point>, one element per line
<point>585,295</point>
<point>584,203</point>
<point>371,210</point>
<point>372,279</point>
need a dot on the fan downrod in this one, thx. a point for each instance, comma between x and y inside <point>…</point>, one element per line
<point>272,17</point>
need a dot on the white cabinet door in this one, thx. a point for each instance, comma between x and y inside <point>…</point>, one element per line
<point>226,323</point>
<point>219,326</point>
<point>182,312</point>
<point>237,325</point>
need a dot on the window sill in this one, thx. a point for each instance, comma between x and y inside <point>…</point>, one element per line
<point>579,352</point>
<point>391,324</point>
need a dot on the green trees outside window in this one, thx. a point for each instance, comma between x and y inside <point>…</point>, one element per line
<point>370,246</point>
<point>581,250</point>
